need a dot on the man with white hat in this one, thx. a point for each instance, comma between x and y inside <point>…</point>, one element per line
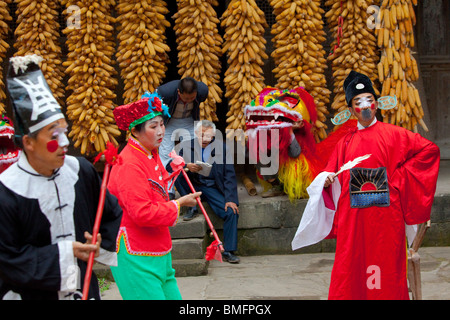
<point>49,200</point>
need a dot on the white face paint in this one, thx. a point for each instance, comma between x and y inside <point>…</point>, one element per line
<point>60,134</point>
<point>365,102</point>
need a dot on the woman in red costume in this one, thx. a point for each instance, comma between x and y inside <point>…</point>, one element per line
<point>140,183</point>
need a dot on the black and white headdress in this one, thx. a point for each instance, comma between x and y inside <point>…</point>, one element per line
<point>32,100</point>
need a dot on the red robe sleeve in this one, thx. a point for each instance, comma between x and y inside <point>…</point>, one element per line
<point>144,206</point>
<point>416,176</point>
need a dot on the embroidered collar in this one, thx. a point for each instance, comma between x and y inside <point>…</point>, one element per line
<point>135,144</point>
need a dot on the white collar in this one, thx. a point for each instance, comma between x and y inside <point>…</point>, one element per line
<point>361,127</point>
<point>25,165</point>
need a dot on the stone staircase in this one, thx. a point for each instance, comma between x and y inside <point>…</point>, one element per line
<point>189,240</point>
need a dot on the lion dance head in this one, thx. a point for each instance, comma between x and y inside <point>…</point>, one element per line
<point>277,110</point>
<point>9,153</point>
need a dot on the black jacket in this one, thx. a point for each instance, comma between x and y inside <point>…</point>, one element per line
<point>169,94</point>
<point>37,214</point>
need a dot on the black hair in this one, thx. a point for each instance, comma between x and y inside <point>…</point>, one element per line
<point>187,85</point>
<point>18,138</point>
<point>141,126</point>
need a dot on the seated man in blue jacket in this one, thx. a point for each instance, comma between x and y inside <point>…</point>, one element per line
<point>219,188</point>
<point>183,97</point>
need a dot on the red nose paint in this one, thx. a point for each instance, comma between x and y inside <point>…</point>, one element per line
<point>372,106</point>
<point>52,146</point>
<point>358,110</point>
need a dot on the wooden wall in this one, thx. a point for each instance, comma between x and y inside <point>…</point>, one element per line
<point>433,46</point>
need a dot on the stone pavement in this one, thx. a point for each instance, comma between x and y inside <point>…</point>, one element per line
<point>295,276</point>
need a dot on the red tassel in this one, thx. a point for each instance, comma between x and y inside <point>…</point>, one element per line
<point>213,252</point>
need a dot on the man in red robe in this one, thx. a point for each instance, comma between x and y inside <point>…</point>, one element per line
<point>369,208</point>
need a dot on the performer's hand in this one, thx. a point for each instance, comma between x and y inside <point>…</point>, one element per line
<point>296,125</point>
<point>189,200</point>
<point>329,180</point>
<point>83,250</point>
<point>193,167</point>
<point>233,206</point>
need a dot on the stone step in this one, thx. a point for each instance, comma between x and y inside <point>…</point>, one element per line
<point>190,267</point>
<point>191,248</point>
<point>195,228</point>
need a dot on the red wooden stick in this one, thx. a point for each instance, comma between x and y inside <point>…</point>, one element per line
<point>204,212</point>
<point>98,219</point>
<point>111,158</point>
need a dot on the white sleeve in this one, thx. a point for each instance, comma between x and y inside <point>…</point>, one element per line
<point>107,258</point>
<point>68,267</point>
<point>317,219</point>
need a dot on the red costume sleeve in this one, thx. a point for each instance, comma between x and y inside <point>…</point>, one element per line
<point>416,176</point>
<point>145,206</point>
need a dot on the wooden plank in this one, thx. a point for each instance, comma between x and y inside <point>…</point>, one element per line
<point>433,25</point>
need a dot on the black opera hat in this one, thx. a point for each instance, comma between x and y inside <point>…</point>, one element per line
<point>355,84</point>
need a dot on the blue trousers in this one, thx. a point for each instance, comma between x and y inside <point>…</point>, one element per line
<point>216,201</point>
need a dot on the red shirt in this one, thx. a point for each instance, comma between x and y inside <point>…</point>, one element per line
<point>140,185</point>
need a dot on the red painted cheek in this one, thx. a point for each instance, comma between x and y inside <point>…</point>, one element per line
<point>372,106</point>
<point>358,110</point>
<point>52,146</point>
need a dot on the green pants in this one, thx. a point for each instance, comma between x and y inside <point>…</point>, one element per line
<point>145,277</point>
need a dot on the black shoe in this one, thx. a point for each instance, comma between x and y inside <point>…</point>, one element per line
<point>230,257</point>
<point>190,214</point>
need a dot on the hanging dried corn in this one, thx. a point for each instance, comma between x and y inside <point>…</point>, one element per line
<point>398,68</point>
<point>199,49</point>
<point>37,32</point>
<point>91,72</point>
<point>4,46</point>
<point>299,55</point>
<point>357,47</point>
<point>142,52</point>
<point>245,46</point>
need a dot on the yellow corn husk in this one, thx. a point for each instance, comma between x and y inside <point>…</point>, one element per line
<point>92,80</point>
<point>244,44</point>
<point>142,50</point>
<point>5,17</point>
<point>37,33</point>
<point>203,39</point>
<point>299,55</point>
<point>358,47</point>
<point>400,74</point>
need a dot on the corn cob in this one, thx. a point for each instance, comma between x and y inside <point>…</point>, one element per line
<point>357,49</point>
<point>299,55</point>
<point>37,32</point>
<point>244,43</point>
<point>4,46</point>
<point>142,51</point>
<point>397,68</point>
<point>91,74</point>
<point>199,49</point>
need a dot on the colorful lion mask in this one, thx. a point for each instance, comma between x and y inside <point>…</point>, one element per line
<point>9,153</point>
<point>275,109</point>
